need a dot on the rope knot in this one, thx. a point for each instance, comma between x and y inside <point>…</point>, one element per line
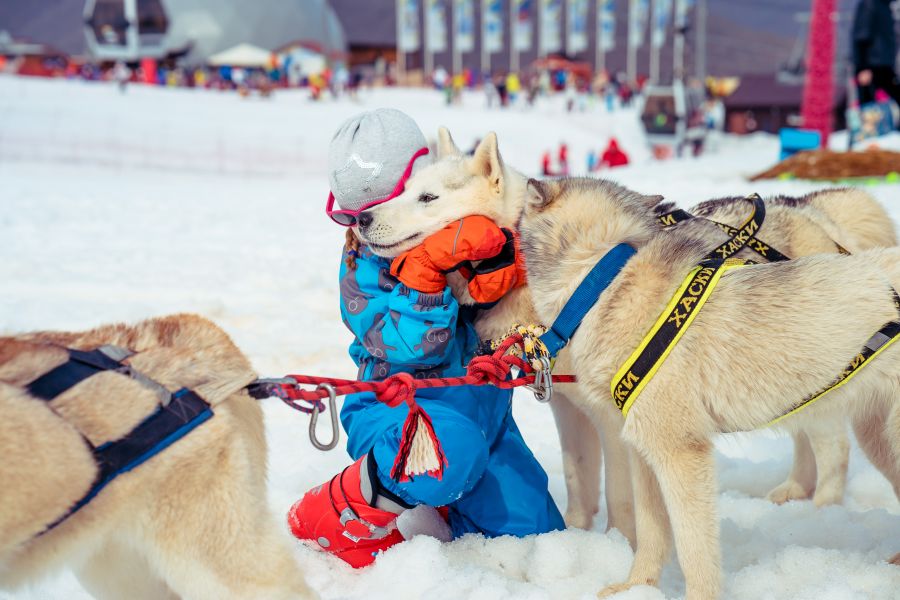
<point>491,369</point>
<point>397,389</point>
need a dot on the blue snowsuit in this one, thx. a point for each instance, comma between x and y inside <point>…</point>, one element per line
<point>492,483</point>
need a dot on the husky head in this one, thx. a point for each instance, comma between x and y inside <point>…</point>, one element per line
<point>567,224</point>
<point>453,187</point>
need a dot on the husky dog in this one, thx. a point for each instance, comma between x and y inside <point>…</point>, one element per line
<point>191,522</point>
<point>769,336</point>
<point>819,223</point>
<point>457,186</point>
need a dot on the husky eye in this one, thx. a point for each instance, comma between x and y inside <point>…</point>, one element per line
<point>426,197</point>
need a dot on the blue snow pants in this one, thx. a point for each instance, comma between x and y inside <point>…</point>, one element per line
<point>492,483</point>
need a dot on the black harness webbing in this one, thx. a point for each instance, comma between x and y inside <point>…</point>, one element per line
<point>79,367</point>
<point>177,416</point>
<point>741,237</point>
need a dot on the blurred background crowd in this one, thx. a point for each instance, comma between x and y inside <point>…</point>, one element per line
<point>690,66</point>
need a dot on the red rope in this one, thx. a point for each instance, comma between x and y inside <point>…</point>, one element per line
<point>492,369</point>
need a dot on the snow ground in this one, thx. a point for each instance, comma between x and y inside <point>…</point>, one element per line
<point>118,207</point>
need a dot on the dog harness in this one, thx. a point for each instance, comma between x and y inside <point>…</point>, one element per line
<point>747,231</point>
<point>692,294</point>
<point>679,313</point>
<point>656,346</point>
<point>178,414</point>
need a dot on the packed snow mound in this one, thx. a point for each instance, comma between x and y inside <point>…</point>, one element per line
<point>123,206</point>
<point>837,166</point>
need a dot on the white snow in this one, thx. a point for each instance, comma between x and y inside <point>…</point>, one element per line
<point>118,207</point>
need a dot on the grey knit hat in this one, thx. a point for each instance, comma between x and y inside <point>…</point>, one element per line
<point>370,153</point>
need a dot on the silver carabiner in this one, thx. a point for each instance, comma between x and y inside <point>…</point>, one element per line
<point>332,408</point>
<point>543,381</point>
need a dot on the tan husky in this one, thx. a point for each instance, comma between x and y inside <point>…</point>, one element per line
<point>821,222</point>
<point>769,336</point>
<point>191,522</point>
<point>485,184</point>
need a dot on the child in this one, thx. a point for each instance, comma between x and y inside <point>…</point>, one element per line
<point>405,319</point>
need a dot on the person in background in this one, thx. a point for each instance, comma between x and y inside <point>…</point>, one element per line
<point>592,163</point>
<point>563,159</point>
<point>613,155</point>
<point>458,83</point>
<point>490,92</point>
<point>341,81</point>
<point>546,166</point>
<point>513,87</point>
<point>200,78</point>
<point>502,92</point>
<point>440,79</point>
<point>570,91</point>
<point>874,46</point>
<point>122,74</point>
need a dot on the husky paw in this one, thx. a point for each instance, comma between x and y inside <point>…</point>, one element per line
<point>579,519</point>
<point>895,560</point>
<point>787,491</point>
<point>612,590</point>
<point>832,498</point>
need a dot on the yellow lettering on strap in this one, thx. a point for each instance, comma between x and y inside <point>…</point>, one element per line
<point>679,313</point>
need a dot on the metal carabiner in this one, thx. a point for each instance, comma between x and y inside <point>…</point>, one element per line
<point>314,417</point>
<point>543,381</point>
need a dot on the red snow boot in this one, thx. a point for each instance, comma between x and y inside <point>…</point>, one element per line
<point>335,516</point>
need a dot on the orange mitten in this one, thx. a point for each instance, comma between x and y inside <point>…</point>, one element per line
<point>424,268</point>
<point>492,278</point>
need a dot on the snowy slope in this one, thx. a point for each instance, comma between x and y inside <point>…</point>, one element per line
<point>120,207</point>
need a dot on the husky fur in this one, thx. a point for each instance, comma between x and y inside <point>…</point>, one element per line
<point>191,522</point>
<point>485,184</point>
<point>806,226</point>
<point>769,335</point>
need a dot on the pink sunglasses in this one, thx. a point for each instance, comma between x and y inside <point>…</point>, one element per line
<point>348,218</point>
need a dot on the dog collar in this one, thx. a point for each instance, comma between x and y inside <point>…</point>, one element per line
<point>585,297</point>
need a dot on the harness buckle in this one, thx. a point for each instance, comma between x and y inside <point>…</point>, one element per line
<point>543,381</point>
<point>314,418</point>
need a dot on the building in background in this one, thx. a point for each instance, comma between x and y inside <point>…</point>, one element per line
<point>747,37</point>
<point>370,28</point>
<point>190,30</point>
<point>766,103</point>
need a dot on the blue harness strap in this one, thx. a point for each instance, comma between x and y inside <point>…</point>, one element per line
<point>585,296</point>
<point>164,427</point>
<point>178,415</point>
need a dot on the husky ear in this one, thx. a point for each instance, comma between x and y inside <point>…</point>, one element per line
<point>486,162</point>
<point>445,144</point>
<point>652,201</point>
<point>538,194</point>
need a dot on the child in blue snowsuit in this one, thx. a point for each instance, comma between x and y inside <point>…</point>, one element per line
<point>492,483</point>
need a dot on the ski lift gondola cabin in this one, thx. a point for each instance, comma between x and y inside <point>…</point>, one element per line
<point>672,118</point>
<point>126,29</point>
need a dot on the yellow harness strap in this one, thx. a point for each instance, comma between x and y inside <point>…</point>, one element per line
<point>679,313</point>
<point>878,343</point>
